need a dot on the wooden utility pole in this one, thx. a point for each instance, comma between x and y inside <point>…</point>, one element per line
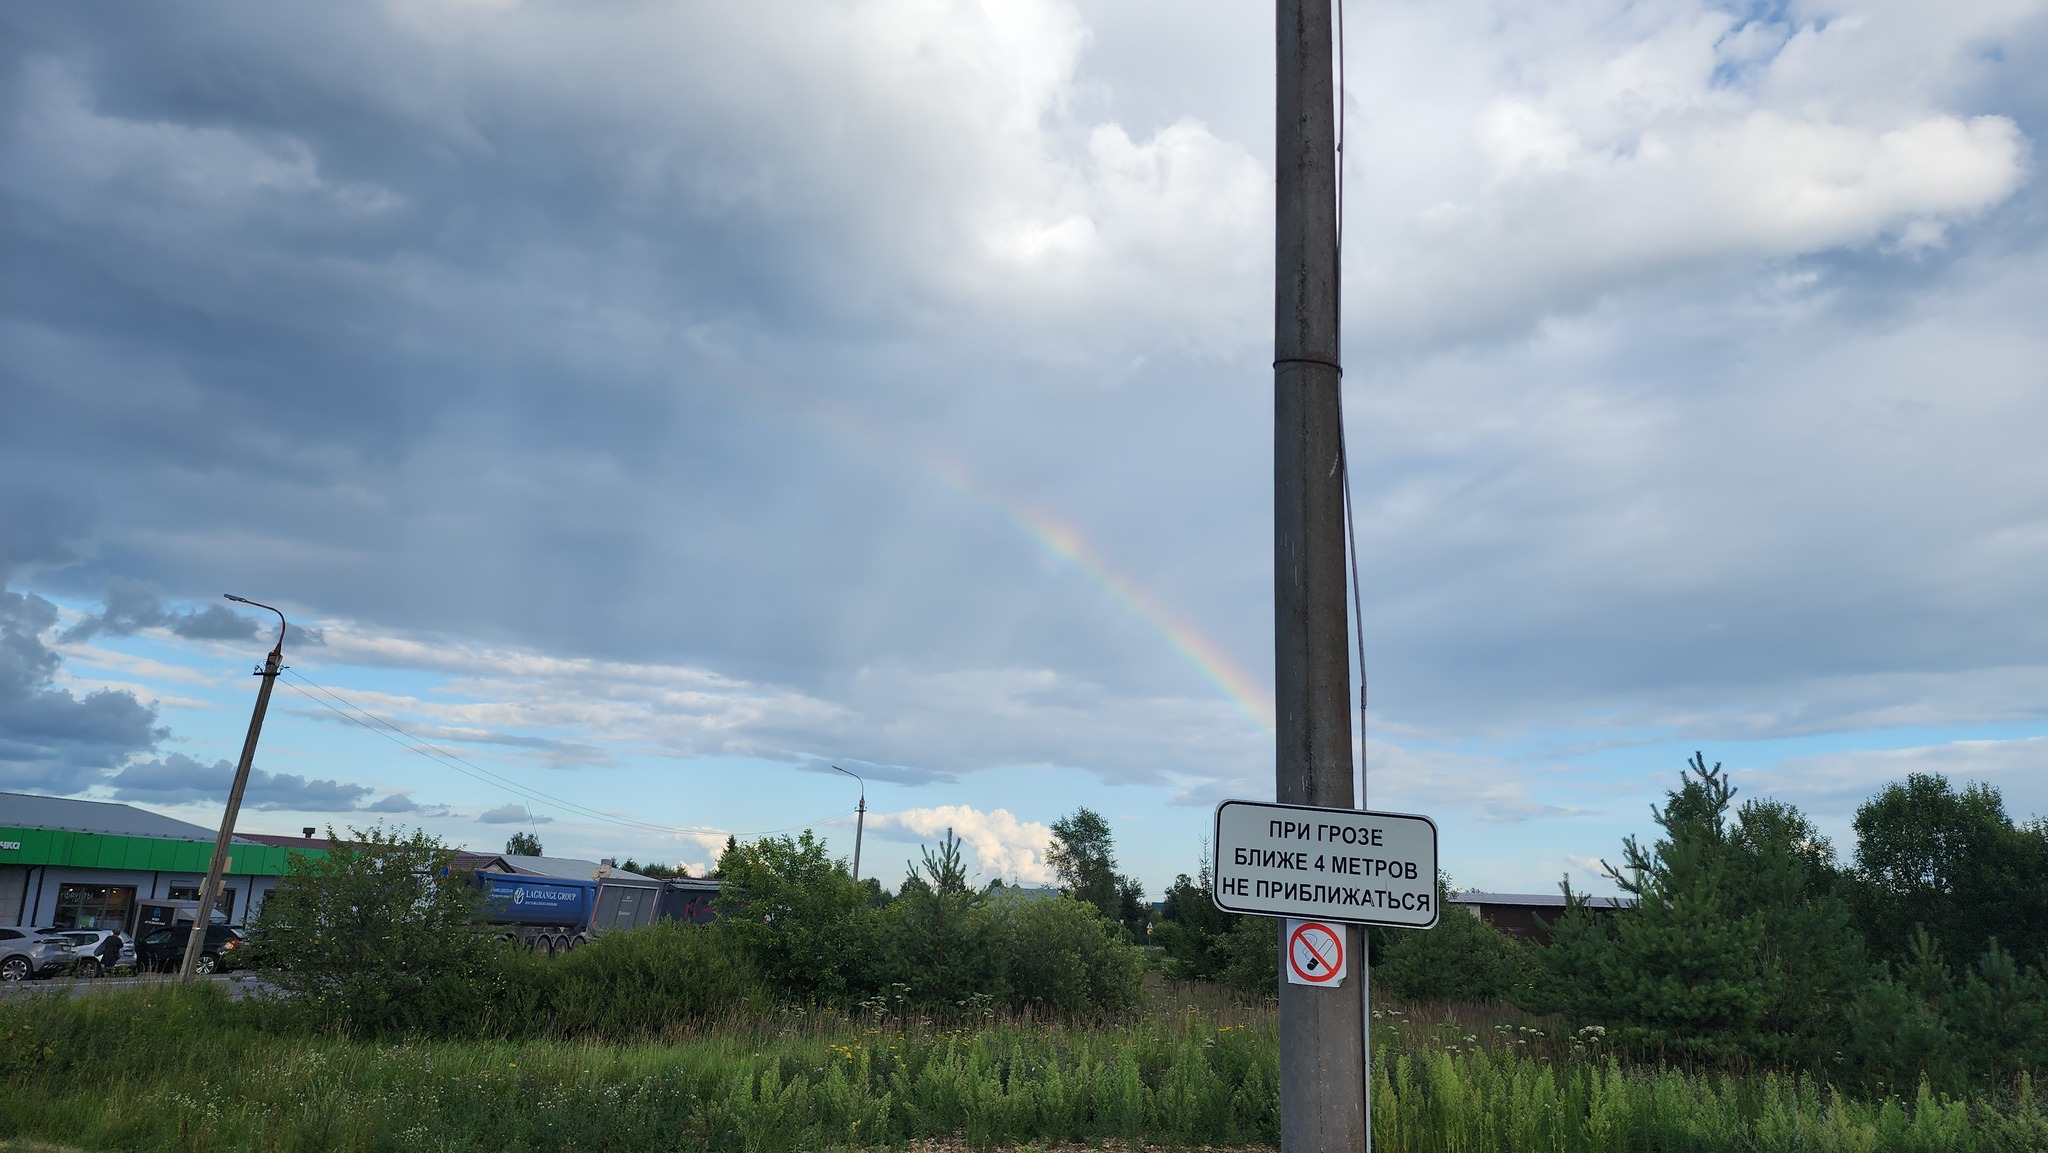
<point>210,891</point>
<point>1322,1057</point>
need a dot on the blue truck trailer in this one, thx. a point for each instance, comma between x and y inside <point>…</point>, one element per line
<point>556,914</point>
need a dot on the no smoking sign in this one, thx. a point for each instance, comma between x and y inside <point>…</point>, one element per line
<point>1315,953</point>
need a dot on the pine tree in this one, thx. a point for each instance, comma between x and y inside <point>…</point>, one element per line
<point>1737,944</point>
<point>1684,969</point>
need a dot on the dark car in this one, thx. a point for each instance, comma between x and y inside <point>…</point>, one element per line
<point>163,949</point>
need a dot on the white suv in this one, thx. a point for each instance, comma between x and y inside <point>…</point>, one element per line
<point>95,957</point>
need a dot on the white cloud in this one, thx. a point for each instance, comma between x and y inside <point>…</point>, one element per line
<point>1480,787</point>
<point>1836,783</point>
<point>1418,779</point>
<point>1580,150</point>
<point>1592,867</point>
<point>908,725</point>
<point>1005,846</point>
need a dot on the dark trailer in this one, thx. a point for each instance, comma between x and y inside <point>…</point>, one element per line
<point>689,899</point>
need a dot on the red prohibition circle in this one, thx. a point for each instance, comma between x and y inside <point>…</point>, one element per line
<point>1319,968</point>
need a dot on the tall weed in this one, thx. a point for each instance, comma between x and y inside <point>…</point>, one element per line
<point>184,1068</point>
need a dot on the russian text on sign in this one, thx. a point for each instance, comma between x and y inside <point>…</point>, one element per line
<point>1333,864</point>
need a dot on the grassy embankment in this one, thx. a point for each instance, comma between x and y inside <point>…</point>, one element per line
<point>187,1070</point>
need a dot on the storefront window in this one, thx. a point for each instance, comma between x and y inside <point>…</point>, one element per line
<point>225,907</point>
<point>94,906</point>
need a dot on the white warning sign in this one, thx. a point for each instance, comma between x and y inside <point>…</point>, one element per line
<point>1315,954</point>
<point>1346,865</point>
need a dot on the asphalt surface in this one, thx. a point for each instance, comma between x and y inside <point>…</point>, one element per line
<point>238,985</point>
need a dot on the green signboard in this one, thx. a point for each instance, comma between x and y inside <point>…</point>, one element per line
<point>147,854</point>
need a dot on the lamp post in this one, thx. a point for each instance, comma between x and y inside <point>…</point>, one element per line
<point>860,819</point>
<point>210,891</point>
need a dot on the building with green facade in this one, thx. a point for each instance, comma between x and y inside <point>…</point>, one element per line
<point>95,864</point>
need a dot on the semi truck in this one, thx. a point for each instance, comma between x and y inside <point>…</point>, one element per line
<point>556,914</point>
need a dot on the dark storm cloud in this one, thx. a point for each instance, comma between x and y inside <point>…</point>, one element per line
<point>556,330</point>
<point>50,739</point>
<point>515,328</point>
<point>128,608</point>
<point>178,779</point>
<point>37,527</point>
<point>401,803</point>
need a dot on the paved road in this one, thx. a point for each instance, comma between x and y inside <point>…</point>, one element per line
<point>238,985</point>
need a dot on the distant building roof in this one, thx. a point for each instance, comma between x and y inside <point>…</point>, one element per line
<point>481,862</point>
<point>284,842</point>
<point>569,868</point>
<point>1536,900</point>
<point>29,811</point>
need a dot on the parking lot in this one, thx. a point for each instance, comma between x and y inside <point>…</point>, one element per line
<point>238,985</point>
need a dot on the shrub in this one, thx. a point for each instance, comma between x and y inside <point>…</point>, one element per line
<point>1462,959</point>
<point>791,910</point>
<point>1191,930</point>
<point>1061,954</point>
<point>933,939</point>
<point>377,936</point>
<point>625,984</point>
<point>1920,1021</point>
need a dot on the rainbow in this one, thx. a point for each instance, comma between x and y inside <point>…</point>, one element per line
<point>1064,543</point>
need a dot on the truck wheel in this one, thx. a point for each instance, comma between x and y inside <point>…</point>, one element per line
<point>14,969</point>
<point>579,940</point>
<point>563,944</point>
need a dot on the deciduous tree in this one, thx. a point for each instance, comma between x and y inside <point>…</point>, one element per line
<point>1953,862</point>
<point>1083,856</point>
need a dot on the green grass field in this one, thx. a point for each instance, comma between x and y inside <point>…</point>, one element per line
<point>173,1069</point>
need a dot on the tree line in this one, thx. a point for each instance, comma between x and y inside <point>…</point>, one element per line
<point>1750,942</point>
<point>382,935</point>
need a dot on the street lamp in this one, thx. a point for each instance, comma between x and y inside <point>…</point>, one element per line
<point>210,891</point>
<point>860,819</point>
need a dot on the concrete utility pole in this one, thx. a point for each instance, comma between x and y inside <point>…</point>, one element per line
<point>210,891</point>
<point>860,819</point>
<point>1322,1056</point>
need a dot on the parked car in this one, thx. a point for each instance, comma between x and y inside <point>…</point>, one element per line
<point>99,950</point>
<point>164,949</point>
<point>26,953</point>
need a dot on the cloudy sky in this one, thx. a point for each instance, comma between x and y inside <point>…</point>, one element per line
<point>638,408</point>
